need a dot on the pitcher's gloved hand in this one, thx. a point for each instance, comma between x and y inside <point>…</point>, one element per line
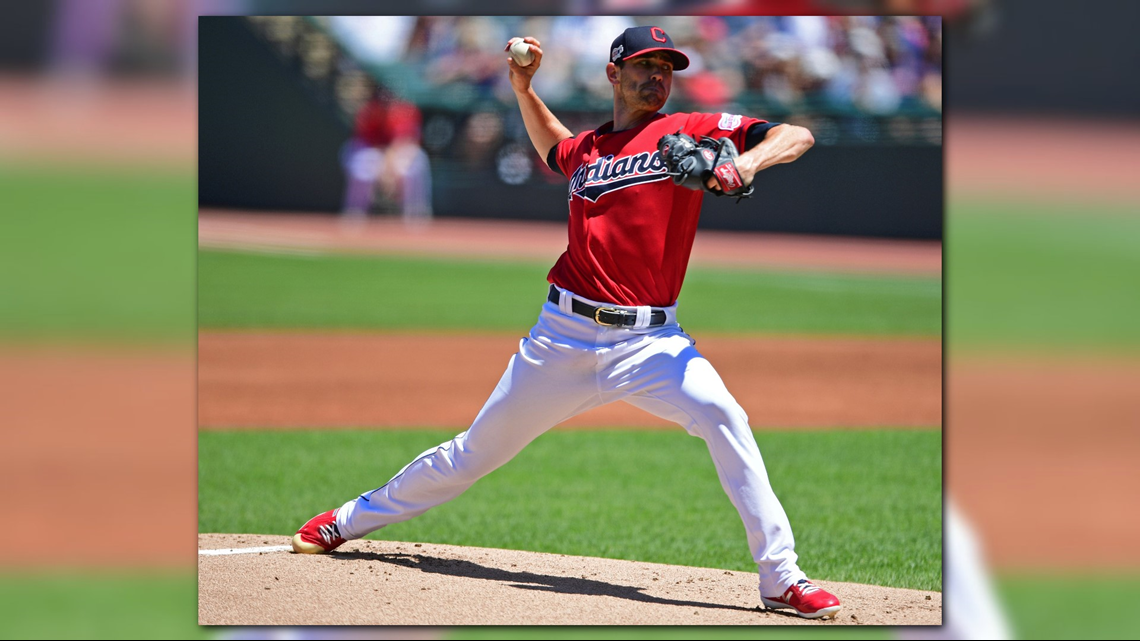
<point>691,164</point>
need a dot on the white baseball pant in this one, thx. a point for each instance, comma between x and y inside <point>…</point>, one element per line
<point>567,365</point>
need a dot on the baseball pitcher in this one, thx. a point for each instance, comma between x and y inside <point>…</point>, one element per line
<point>608,329</point>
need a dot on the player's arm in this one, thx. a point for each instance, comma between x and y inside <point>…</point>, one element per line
<point>544,129</point>
<point>782,143</point>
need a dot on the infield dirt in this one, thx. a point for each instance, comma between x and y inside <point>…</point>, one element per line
<point>283,379</point>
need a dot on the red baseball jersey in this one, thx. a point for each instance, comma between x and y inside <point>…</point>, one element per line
<point>631,228</point>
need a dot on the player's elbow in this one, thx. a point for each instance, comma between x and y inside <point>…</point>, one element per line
<point>801,141</point>
<point>806,139</point>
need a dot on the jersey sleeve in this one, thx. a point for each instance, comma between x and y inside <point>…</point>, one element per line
<point>560,157</point>
<point>733,126</point>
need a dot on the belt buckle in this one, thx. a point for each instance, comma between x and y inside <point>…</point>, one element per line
<point>599,310</point>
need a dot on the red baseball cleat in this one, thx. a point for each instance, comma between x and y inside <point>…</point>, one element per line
<point>319,535</point>
<point>808,600</point>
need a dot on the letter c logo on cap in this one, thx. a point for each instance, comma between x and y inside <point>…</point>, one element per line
<point>658,34</point>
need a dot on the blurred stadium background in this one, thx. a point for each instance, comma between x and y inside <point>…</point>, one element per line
<point>97,163</point>
<point>869,89</point>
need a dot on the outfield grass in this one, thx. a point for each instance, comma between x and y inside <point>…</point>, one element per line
<point>1043,606</point>
<point>1042,276</point>
<point>403,293</point>
<point>100,605</point>
<point>865,505</point>
<point>93,253</point>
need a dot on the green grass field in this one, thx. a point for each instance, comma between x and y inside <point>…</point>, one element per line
<point>1042,277</point>
<point>1042,606</point>
<point>643,495</point>
<point>400,293</point>
<point>97,254</point>
<point>92,604</point>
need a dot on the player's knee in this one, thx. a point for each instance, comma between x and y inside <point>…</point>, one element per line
<point>723,412</point>
<point>469,464</point>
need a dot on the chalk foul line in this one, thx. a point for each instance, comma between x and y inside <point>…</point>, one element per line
<point>268,548</point>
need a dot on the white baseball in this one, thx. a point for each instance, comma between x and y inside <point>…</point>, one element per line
<point>521,53</point>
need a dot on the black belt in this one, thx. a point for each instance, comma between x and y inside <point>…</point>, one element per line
<point>608,315</point>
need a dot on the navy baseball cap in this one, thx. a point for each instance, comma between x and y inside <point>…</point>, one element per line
<point>637,41</point>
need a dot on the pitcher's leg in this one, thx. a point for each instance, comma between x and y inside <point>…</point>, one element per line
<point>529,399</point>
<point>679,385</point>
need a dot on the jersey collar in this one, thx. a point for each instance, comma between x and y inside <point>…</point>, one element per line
<point>608,128</point>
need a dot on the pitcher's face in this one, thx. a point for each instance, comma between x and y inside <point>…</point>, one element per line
<point>645,81</point>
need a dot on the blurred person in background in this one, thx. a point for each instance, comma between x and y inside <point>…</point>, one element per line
<point>468,58</point>
<point>714,79</point>
<point>384,154</point>
<point>588,37</point>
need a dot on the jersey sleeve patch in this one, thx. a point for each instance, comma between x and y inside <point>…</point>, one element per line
<point>729,122</point>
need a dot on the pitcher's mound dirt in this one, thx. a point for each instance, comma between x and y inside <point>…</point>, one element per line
<point>394,583</point>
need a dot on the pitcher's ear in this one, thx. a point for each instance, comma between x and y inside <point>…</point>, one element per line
<point>612,73</point>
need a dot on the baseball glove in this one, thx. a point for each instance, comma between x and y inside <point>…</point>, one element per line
<point>691,163</point>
